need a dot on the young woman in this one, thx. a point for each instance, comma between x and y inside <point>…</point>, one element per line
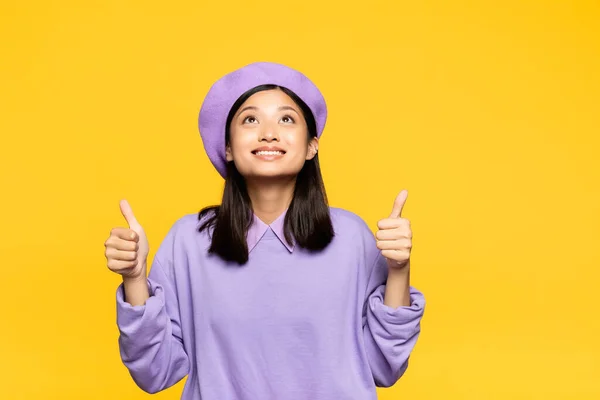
<point>272,294</point>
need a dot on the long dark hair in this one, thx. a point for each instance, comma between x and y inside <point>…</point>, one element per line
<point>307,221</point>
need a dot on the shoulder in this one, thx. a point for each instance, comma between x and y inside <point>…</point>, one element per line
<point>354,233</point>
<point>344,220</point>
<point>181,235</point>
<point>185,224</point>
<point>184,229</point>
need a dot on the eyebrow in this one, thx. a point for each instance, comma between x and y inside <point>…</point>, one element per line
<point>287,108</point>
<point>279,109</point>
<point>247,108</point>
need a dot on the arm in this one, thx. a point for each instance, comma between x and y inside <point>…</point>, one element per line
<point>390,330</point>
<point>150,340</point>
<point>136,290</point>
<point>397,287</point>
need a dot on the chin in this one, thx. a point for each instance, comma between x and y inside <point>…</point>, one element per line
<point>268,170</point>
<point>270,173</point>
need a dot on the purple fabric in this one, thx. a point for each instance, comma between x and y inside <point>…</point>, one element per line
<point>224,92</point>
<point>258,229</point>
<point>289,325</point>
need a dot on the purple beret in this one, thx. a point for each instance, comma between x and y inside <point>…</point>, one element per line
<point>225,91</point>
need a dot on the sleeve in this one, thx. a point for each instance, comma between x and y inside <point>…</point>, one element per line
<point>390,334</point>
<point>150,340</point>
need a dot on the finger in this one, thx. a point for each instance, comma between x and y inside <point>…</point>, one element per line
<point>124,245</point>
<point>128,213</point>
<point>392,234</point>
<point>395,254</point>
<point>124,234</point>
<point>393,223</point>
<point>122,255</point>
<point>399,204</point>
<point>120,265</point>
<point>399,245</point>
<point>121,245</point>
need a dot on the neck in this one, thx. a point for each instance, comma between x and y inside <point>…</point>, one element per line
<point>270,198</point>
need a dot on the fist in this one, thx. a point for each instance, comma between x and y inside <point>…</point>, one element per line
<point>394,237</point>
<point>127,248</point>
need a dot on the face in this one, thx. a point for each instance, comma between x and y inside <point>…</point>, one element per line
<point>269,136</point>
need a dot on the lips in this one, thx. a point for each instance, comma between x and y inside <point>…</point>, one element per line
<point>268,151</point>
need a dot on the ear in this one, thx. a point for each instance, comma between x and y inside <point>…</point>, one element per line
<point>228,154</point>
<point>313,147</point>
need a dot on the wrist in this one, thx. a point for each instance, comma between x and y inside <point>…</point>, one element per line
<point>136,289</point>
<point>397,286</point>
<point>398,269</point>
<point>136,279</point>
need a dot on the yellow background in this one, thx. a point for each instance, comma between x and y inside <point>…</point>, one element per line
<point>487,112</point>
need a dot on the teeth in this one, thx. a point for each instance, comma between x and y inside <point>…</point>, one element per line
<point>268,153</point>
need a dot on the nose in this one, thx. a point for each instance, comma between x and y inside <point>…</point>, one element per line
<point>269,134</point>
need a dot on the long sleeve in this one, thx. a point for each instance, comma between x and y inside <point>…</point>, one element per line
<point>150,340</point>
<point>390,333</point>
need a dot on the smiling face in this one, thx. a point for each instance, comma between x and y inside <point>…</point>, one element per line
<point>269,136</point>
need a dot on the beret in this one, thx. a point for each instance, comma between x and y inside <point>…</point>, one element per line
<point>224,93</point>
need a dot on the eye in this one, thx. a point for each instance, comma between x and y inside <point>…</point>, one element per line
<point>287,119</point>
<point>249,119</point>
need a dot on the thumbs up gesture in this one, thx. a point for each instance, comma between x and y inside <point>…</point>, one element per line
<point>127,248</point>
<point>394,237</point>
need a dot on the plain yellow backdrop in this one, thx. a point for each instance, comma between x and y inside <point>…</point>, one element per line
<point>487,112</point>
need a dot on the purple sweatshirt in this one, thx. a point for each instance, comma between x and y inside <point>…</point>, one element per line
<point>287,325</point>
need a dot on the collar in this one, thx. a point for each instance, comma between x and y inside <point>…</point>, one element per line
<point>259,228</point>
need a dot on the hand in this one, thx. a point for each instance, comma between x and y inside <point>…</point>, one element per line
<point>394,237</point>
<point>127,249</point>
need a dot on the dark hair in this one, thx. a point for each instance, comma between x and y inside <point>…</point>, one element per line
<point>307,220</point>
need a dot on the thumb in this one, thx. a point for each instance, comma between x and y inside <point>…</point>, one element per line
<point>128,213</point>
<point>399,204</point>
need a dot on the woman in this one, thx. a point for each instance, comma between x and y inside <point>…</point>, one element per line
<point>272,294</point>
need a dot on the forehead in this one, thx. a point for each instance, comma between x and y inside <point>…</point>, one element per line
<point>267,98</point>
